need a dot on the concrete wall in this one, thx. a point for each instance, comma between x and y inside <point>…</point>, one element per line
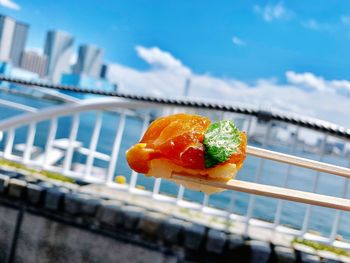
<point>48,222</point>
<point>35,227</point>
<point>8,220</point>
<point>41,239</point>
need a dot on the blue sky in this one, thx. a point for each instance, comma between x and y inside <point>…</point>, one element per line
<point>292,56</point>
<point>271,37</point>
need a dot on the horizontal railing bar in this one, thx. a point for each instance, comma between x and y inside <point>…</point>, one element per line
<point>299,161</point>
<point>70,109</point>
<point>65,98</point>
<point>17,106</point>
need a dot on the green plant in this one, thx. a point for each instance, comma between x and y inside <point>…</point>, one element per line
<point>320,246</point>
<point>51,175</point>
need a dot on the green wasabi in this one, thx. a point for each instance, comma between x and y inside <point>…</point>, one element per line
<point>221,140</point>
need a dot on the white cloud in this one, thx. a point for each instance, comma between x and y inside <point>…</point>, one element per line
<point>160,82</point>
<point>318,83</point>
<point>238,41</point>
<point>273,12</point>
<point>306,79</point>
<point>161,59</point>
<point>315,25</point>
<point>303,93</point>
<point>10,4</point>
<point>345,20</point>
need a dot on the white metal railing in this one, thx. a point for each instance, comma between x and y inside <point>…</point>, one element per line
<point>125,109</point>
<point>17,106</point>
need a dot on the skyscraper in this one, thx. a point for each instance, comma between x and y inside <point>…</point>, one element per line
<point>89,61</point>
<point>19,40</point>
<point>7,28</point>
<point>34,62</point>
<point>13,38</point>
<point>58,49</point>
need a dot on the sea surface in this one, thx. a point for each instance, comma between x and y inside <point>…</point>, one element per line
<point>273,173</point>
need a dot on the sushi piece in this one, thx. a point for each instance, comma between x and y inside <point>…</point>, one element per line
<point>189,145</point>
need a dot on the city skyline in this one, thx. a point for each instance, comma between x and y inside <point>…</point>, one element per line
<point>55,59</point>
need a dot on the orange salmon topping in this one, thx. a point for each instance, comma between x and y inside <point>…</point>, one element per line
<point>178,138</point>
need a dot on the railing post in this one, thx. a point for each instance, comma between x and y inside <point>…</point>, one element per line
<point>285,183</point>
<point>10,137</point>
<point>29,144</point>
<point>50,140</point>
<point>336,222</point>
<point>314,188</point>
<point>133,179</point>
<point>256,179</point>
<point>205,201</point>
<point>116,147</point>
<point>93,144</point>
<point>72,139</point>
<point>180,193</point>
<point>156,186</point>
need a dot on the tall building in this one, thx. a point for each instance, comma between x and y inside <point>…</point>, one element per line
<point>13,37</point>
<point>34,62</point>
<point>18,43</point>
<point>7,29</point>
<point>58,49</point>
<point>89,61</point>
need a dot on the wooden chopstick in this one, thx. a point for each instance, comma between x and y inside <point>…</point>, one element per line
<point>272,191</point>
<point>298,161</point>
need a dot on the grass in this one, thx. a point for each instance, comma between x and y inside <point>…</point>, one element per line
<point>51,175</point>
<point>185,210</point>
<point>323,247</point>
